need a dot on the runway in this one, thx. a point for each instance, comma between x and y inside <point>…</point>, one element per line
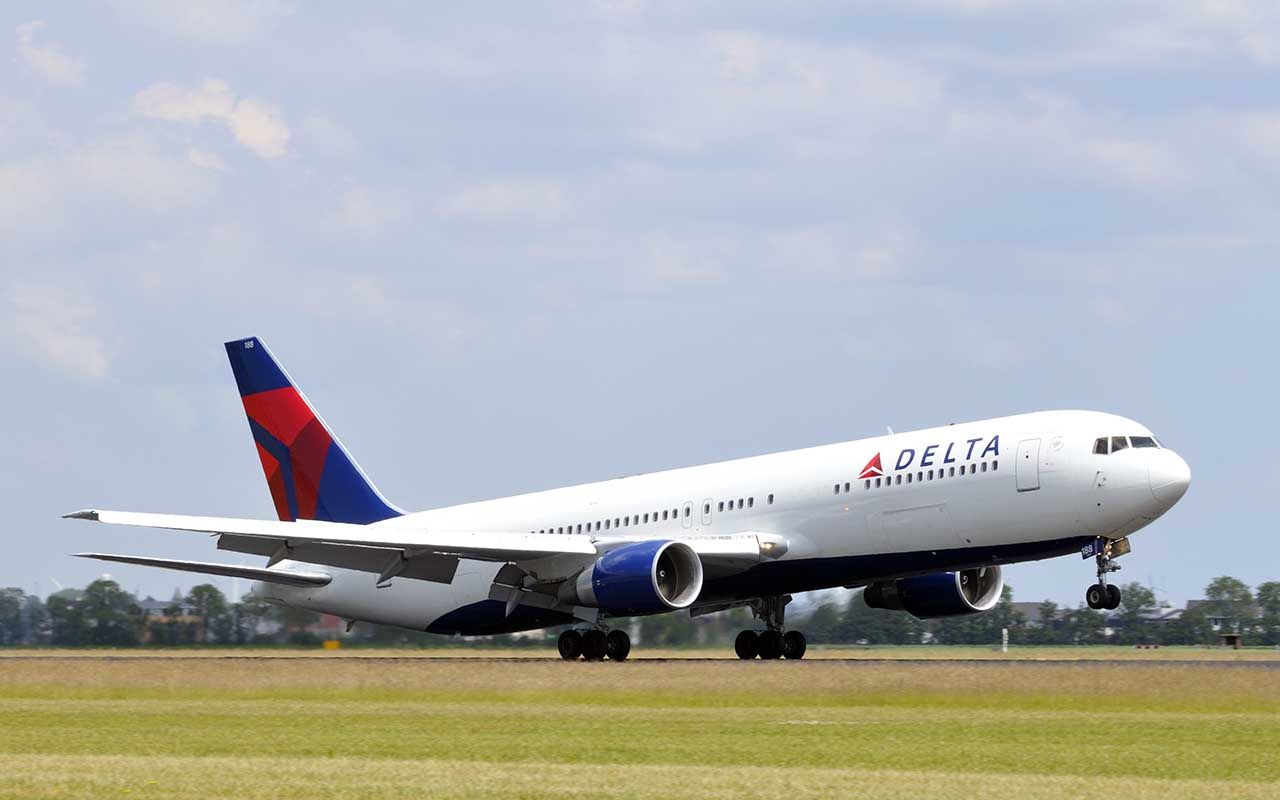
<point>348,659</point>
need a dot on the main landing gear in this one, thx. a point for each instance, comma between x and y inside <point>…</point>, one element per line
<point>594,644</point>
<point>771,643</point>
<point>1103,595</point>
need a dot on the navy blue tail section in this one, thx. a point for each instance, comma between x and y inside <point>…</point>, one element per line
<point>310,474</point>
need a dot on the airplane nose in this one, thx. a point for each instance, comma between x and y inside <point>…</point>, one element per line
<point>1170,477</point>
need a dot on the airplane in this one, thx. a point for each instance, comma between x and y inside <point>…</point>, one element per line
<point>924,526</point>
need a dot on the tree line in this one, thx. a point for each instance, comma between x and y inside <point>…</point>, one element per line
<point>105,615</point>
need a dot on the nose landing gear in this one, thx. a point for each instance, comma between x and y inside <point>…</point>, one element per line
<point>1103,595</point>
<point>771,643</point>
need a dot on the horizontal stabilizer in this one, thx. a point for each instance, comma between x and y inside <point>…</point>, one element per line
<point>280,576</point>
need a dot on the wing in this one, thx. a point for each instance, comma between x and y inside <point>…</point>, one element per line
<point>388,550</point>
<point>384,549</point>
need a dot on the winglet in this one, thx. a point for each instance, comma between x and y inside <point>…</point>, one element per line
<point>87,513</point>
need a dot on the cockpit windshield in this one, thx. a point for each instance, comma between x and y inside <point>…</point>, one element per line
<point>1114,444</point>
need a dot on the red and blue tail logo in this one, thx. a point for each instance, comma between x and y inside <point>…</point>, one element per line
<point>872,469</point>
<point>309,472</point>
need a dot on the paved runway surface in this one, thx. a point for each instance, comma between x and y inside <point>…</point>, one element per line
<point>1024,662</point>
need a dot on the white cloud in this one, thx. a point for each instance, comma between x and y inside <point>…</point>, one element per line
<point>257,126</point>
<point>323,136</point>
<point>218,21</point>
<point>509,199</point>
<point>369,212</point>
<point>205,160</point>
<point>48,195</point>
<point>56,67</point>
<point>50,326</point>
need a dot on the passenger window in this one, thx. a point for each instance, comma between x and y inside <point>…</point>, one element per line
<point>953,473</point>
<point>995,465</point>
<point>1142,441</point>
<point>739,503</point>
<point>770,499</point>
<point>868,486</point>
<point>919,477</point>
<point>721,506</point>
<point>706,509</point>
<point>617,523</point>
<point>835,489</point>
<point>1118,443</point>
<point>877,483</point>
<point>984,466</point>
<point>1100,447</point>
<point>909,475</point>
<point>751,502</point>
<point>962,469</point>
<point>898,480</point>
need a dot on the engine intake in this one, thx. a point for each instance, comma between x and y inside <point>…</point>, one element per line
<point>640,578</point>
<point>942,594</point>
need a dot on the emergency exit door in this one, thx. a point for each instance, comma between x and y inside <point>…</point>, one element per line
<point>1028,467</point>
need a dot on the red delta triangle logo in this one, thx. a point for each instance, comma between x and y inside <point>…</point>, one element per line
<point>872,469</point>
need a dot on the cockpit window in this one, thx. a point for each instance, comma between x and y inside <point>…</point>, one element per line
<point>1100,447</point>
<point>1143,441</point>
<point>1119,443</point>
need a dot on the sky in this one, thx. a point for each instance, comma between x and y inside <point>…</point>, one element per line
<point>511,247</point>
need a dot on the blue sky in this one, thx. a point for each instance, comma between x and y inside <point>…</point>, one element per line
<point>511,247</point>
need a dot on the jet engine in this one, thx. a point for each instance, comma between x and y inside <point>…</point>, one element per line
<point>640,578</point>
<point>942,594</point>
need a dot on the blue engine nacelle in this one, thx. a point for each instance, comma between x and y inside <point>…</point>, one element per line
<point>942,594</point>
<point>640,578</point>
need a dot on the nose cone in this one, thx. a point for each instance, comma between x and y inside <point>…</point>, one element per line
<point>1170,477</point>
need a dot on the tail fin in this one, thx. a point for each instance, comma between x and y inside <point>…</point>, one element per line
<point>310,474</point>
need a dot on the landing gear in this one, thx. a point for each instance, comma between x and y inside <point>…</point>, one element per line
<point>771,643</point>
<point>794,645</point>
<point>1103,595</point>
<point>618,645</point>
<point>594,645</point>
<point>769,646</point>
<point>570,645</point>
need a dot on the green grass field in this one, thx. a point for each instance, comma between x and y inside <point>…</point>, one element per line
<point>354,727</point>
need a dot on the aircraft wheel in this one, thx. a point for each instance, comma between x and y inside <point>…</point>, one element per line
<point>769,645</point>
<point>1113,597</point>
<point>1096,596</point>
<point>595,646</point>
<point>745,645</point>
<point>794,645</point>
<point>618,645</point>
<point>570,645</point>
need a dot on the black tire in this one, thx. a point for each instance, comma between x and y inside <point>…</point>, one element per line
<point>745,645</point>
<point>595,646</point>
<point>618,645</point>
<point>1096,596</point>
<point>794,645</point>
<point>769,645</point>
<point>1113,597</point>
<point>570,645</point>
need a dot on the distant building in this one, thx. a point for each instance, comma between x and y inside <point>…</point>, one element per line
<point>1216,620</point>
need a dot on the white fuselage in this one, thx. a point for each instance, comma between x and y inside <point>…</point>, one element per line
<point>995,491</point>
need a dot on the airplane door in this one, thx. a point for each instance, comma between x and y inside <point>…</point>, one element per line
<point>1028,467</point>
<point>706,511</point>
